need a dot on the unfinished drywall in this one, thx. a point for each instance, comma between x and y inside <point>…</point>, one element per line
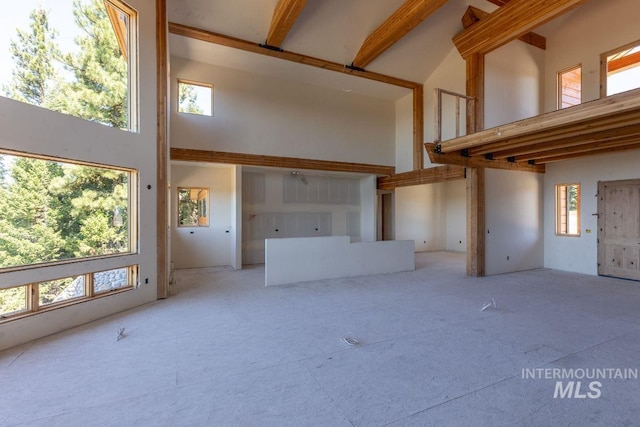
<point>420,215</point>
<point>514,225</point>
<point>581,36</point>
<point>31,129</point>
<point>256,114</point>
<point>210,246</point>
<point>579,254</point>
<point>317,258</point>
<point>513,83</point>
<point>279,203</point>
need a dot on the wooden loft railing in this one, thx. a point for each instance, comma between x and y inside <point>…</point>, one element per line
<point>469,102</point>
<point>597,127</point>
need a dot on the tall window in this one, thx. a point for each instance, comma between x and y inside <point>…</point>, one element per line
<point>570,87</point>
<point>568,209</point>
<point>620,69</point>
<point>77,58</point>
<point>195,98</point>
<point>54,211</point>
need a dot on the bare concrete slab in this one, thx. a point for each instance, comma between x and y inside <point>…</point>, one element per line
<point>225,350</point>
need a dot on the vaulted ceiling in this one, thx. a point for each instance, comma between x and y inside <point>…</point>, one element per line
<point>361,33</point>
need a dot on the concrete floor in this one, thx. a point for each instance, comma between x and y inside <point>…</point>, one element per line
<point>227,351</point>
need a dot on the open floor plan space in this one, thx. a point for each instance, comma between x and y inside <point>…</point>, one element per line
<point>412,348</point>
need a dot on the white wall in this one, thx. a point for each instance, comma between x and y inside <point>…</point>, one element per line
<point>456,216</point>
<point>261,115</point>
<point>580,38</point>
<point>368,208</point>
<point>513,83</point>
<point>579,254</point>
<point>195,247</point>
<point>35,130</point>
<point>514,225</point>
<point>420,215</point>
<point>592,29</point>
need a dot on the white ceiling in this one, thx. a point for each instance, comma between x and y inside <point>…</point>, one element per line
<point>328,29</point>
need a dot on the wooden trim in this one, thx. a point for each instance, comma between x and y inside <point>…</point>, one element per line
<point>119,27</point>
<point>162,181</point>
<point>513,20</point>
<point>473,15</point>
<point>476,222</point>
<point>206,156</point>
<point>418,127</point>
<point>499,2</point>
<point>211,37</point>
<point>479,162</point>
<point>284,16</point>
<point>396,26</point>
<point>475,89</point>
<point>420,177</point>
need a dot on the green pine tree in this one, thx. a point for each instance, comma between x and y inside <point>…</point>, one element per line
<point>188,99</point>
<point>99,89</point>
<point>33,53</point>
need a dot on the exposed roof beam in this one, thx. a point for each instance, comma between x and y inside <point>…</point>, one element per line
<point>284,16</point>
<point>403,20</point>
<point>590,153</point>
<point>421,176</point>
<point>511,21</point>
<point>473,15</point>
<point>207,156</point>
<point>499,2</point>
<point>611,143</point>
<point>623,62</point>
<point>478,162</point>
<point>211,37</point>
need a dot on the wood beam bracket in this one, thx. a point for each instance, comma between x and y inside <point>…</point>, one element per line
<point>354,68</point>
<point>268,46</point>
<point>464,153</point>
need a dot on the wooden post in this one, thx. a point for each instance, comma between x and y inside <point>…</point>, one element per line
<point>418,127</point>
<point>475,176</point>
<point>162,214</point>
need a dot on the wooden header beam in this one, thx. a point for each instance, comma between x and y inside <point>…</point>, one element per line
<point>211,37</point>
<point>478,162</point>
<point>284,16</point>
<point>277,162</point>
<point>422,176</point>
<point>513,20</point>
<point>402,21</point>
<point>473,15</point>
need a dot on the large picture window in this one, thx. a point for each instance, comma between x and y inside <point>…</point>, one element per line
<point>74,57</point>
<point>620,69</point>
<point>54,211</point>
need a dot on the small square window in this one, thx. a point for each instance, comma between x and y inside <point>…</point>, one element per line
<point>568,209</point>
<point>570,87</point>
<point>195,98</point>
<point>192,207</point>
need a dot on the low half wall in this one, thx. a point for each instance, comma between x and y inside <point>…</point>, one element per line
<point>315,258</point>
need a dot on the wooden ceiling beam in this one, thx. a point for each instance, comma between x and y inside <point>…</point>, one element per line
<point>422,176</point>
<point>284,16</point>
<point>207,156</point>
<point>499,2</point>
<point>569,120</point>
<point>590,153</point>
<point>223,40</point>
<point>513,20</point>
<point>396,26</point>
<point>473,15</point>
<point>622,141</point>
<point>623,62</point>
<point>478,162</point>
<point>565,143</point>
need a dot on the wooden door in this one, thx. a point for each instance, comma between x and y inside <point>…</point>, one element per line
<point>619,229</point>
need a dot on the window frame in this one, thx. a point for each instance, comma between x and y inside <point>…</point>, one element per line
<point>604,69</point>
<point>32,302</point>
<point>559,92</point>
<point>193,83</point>
<point>207,208</point>
<point>558,210</point>
<point>133,183</point>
